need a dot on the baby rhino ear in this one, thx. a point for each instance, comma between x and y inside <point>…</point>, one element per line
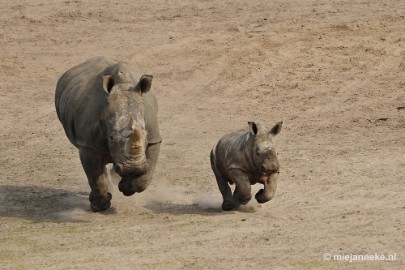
<point>253,128</point>
<point>276,129</point>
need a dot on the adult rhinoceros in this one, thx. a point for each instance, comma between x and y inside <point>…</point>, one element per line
<point>110,115</point>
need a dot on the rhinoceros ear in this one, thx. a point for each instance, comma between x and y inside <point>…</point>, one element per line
<point>145,83</point>
<point>108,83</point>
<point>276,129</point>
<point>253,128</point>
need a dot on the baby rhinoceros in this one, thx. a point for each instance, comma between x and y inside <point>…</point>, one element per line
<point>245,158</point>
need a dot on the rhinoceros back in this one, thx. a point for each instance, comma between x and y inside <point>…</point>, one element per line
<point>230,150</point>
<point>80,99</point>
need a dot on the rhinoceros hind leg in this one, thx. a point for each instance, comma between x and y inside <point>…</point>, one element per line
<point>229,203</point>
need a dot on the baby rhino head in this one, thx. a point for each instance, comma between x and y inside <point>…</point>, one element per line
<point>263,150</point>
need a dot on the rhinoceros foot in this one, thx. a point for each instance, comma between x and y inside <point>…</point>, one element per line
<point>230,205</point>
<point>262,197</point>
<point>126,187</point>
<point>99,203</point>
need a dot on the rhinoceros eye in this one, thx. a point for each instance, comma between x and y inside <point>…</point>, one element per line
<point>126,132</point>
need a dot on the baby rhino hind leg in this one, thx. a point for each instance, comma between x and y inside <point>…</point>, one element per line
<point>229,203</point>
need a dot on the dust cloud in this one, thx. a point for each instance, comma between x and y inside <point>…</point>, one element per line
<point>170,194</point>
<point>208,200</point>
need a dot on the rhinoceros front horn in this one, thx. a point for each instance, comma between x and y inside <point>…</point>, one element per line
<point>136,145</point>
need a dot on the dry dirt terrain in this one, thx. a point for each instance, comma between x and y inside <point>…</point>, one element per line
<point>333,71</point>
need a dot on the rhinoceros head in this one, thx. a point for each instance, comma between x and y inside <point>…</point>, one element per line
<point>124,122</point>
<point>263,150</point>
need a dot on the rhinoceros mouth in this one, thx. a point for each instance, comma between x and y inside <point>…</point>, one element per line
<point>130,168</point>
<point>264,176</point>
<point>267,172</point>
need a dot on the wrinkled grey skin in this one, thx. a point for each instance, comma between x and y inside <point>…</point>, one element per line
<point>245,158</point>
<point>109,114</point>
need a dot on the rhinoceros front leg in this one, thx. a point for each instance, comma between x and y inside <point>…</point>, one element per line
<point>100,198</point>
<point>129,186</point>
<point>270,186</point>
<point>242,191</point>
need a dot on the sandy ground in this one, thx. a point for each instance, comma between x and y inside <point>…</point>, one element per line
<point>333,71</point>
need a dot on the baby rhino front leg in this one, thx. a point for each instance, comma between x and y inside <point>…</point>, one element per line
<point>242,192</point>
<point>270,186</point>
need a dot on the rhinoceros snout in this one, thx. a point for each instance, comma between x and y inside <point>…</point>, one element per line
<point>270,168</point>
<point>131,184</point>
<point>130,167</point>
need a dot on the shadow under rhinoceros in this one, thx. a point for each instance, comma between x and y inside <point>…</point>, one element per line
<point>183,209</point>
<point>42,204</point>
